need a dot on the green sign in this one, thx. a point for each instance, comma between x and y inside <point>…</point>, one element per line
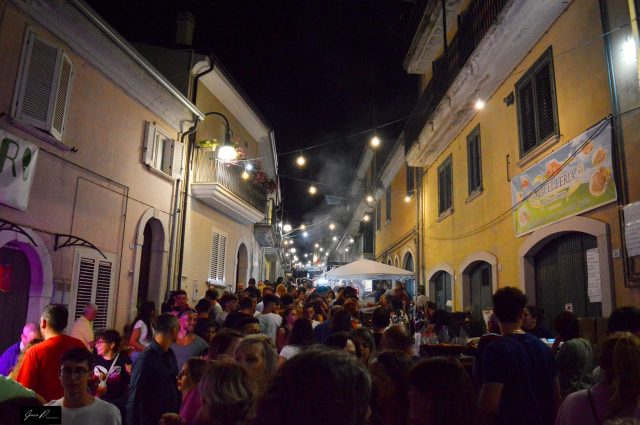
<point>577,177</point>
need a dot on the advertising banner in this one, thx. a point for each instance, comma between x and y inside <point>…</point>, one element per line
<point>577,177</point>
<point>17,167</point>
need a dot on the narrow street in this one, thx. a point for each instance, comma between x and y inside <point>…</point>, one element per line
<point>198,198</point>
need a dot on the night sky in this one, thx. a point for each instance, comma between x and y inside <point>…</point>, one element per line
<point>317,71</point>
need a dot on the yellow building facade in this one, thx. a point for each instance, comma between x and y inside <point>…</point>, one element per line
<point>477,229</point>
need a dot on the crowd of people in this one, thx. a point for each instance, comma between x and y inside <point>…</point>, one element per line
<point>282,354</point>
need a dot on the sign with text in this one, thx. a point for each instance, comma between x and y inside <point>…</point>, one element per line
<point>17,167</point>
<point>577,177</point>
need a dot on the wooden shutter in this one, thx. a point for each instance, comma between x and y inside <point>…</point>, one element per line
<point>44,84</point>
<point>474,161</point>
<point>218,254</point>
<point>527,115</point>
<point>544,103</point>
<point>410,180</point>
<point>176,162</point>
<point>445,183</point>
<point>148,149</point>
<point>62,97</point>
<point>388,205</point>
<point>93,283</point>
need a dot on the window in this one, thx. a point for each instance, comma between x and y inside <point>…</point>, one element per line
<point>92,282</point>
<point>41,95</point>
<point>378,215</point>
<point>218,253</point>
<point>162,153</point>
<point>445,187</point>
<point>474,161</point>
<point>536,100</point>
<point>388,205</point>
<point>411,180</point>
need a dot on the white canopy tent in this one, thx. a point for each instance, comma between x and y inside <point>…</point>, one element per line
<point>368,270</point>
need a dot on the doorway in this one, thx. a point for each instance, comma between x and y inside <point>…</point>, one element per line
<point>14,298</point>
<point>150,271</point>
<point>561,276</point>
<point>440,290</point>
<point>407,264</point>
<point>480,286</point>
<point>242,264</point>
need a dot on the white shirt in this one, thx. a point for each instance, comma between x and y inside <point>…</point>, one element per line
<point>97,413</point>
<point>83,330</point>
<point>269,324</point>
<point>144,332</point>
<point>289,351</point>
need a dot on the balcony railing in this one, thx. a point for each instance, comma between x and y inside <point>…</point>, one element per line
<point>473,24</point>
<point>207,169</point>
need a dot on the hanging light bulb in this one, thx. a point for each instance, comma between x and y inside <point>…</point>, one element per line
<point>479,104</point>
<point>303,227</point>
<point>366,217</point>
<point>335,238</point>
<point>407,199</point>
<point>317,245</point>
<point>248,166</point>
<point>245,175</point>
<point>286,228</point>
<point>321,249</point>
<point>369,199</point>
<point>332,226</point>
<point>375,141</point>
<point>305,234</point>
<point>301,161</point>
<point>351,240</point>
<point>312,190</point>
<point>346,250</point>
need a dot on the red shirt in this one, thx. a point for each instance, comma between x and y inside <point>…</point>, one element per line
<point>40,368</point>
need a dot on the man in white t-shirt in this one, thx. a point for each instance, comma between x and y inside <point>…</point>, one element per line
<point>83,326</point>
<point>269,321</point>
<point>78,406</point>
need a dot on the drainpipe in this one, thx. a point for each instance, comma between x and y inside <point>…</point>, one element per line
<point>620,174</point>
<point>190,145</point>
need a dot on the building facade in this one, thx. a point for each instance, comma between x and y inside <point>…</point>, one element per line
<point>91,160</point>
<point>525,131</point>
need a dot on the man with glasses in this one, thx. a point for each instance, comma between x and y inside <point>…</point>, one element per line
<point>78,406</point>
<point>41,365</point>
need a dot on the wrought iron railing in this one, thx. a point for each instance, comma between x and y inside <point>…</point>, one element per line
<point>473,24</point>
<point>207,169</point>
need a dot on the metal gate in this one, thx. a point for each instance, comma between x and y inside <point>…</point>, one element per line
<point>440,290</point>
<point>561,277</point>
<point>480,289</point>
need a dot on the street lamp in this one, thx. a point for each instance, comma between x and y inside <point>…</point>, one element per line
<point>226,152</point>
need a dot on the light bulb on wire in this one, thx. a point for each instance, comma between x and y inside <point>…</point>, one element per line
<point>369,198</point>
<point>366,217</point>
<point>479,104</point>
<point>332,226</point>
<point>245,175</point>
<point>286,228</point>
<point>407,199</point>
<point>301,161</point>
<point>313,190</point>
<point>248,166</point>
<point>375,141</point>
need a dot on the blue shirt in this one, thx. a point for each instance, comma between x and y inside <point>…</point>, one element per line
<point>524,365</point>
<point>153,390</point>
<point>9,359</point>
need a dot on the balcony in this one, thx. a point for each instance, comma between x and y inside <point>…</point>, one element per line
<point>220,185</point>
<point>473,24</point>
<point>493,36</point>
<point>266,234</point>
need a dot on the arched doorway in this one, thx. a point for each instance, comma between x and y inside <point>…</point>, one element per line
<point>242,264</point>
<point>440,291</point>
<point>151,249</point>
<point>29,275</point>
<point>14,298</point>
<point>561,276</point>
<point>478,290</point>
<point>407,264</point>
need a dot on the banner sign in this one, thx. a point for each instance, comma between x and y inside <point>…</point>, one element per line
<point>577,177</point>
<point>17,167</point>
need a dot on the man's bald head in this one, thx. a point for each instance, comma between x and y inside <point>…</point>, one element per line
<point>30,332</point>
<point>90,311</point>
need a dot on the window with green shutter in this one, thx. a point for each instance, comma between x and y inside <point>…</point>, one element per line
<point>536,102</point>
<point>474,161</point>
<point>445,187</point>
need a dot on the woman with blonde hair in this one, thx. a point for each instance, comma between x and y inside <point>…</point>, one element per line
<point>228,395</point>
<point>259,357</point>
<point>617,395</point>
